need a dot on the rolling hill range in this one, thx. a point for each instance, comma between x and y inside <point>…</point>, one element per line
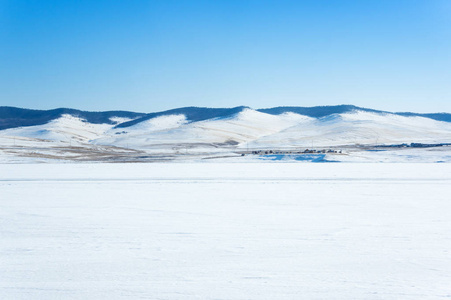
<point>11,117</point>
<point>206,130</point>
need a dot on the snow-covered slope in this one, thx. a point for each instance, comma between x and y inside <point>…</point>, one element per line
<point>137,136</point>
<point>234,128</point>
<point>64,130</point>
<point>360,128</point>
<point>254,129</point>
<point>174,131</point>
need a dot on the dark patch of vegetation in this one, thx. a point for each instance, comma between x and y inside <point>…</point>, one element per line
<point>413,145</point>
<point>11,117</point>
<point>438,116</point>
<point>316,111</point>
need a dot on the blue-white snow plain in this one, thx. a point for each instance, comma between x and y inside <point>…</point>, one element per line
<point>225,231</point>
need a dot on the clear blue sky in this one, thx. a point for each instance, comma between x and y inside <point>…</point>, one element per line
<point>155,55</point>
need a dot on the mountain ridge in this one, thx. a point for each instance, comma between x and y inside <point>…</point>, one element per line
<point>12,117</point>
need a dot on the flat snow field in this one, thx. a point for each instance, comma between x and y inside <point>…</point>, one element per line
<point>225,231</point>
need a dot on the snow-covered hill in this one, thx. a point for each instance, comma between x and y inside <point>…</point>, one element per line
<point>65,130</point>
<point>360,128</point>
<point>174,131</point>
<point>245,127</point>
<point>253,129</point>
<point>204,130</point>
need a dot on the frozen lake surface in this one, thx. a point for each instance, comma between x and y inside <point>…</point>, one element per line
<point>225,231</point>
